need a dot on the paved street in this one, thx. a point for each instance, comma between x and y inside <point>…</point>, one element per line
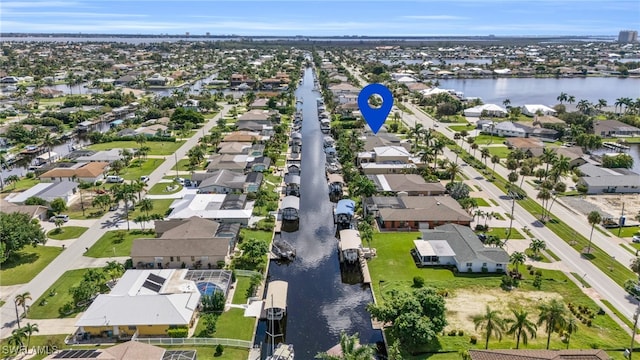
<point>574,262</point>
<point>72,257</point>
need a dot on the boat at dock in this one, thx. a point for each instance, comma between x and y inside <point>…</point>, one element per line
<point>282,250</point>
<point>282,352</point>
<point>615,146</point>
<point>275,303</point>
<point>349,246</point>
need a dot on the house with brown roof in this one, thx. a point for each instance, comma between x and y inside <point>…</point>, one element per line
<point>584,354</point>
<point>410,184</point>
<point>34,211</point>
<point>195,242</point>
<point>243,136</point>
<point>410,213</point>
<point>83,171</point>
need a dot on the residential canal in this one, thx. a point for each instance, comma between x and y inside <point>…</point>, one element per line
<point>320,306</point>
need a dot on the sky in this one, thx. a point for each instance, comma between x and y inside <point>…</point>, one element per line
<point>322,18</point>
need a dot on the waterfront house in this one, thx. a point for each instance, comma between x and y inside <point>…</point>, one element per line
<point>81,171</point>
<point>613,128</point>
<point>411,184</point>
<point>223,208</point>
<point>227,181</point>
<point>228,162</point>
<point>143,302</point>
<point>411,213</point>
<point>243,136</point>
<point>582,354</point>
<point>158,80</point>
<point>458,246</point>
<point>241,148</point>
<point>193,243</point>
<point>259,164</point>
<point>124,351</point>
<point>490,110</point>
<point>599,180</point>
<point>47,191</point>
<point>107,156</point>
<point>533,110</point>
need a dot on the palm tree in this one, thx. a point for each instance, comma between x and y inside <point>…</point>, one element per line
<point>29,329</point>
<point>454,170</point>
<point>495,159</point>
<point>536,246</point>
<point>146,205</point>
<point>492,324</point>
<point>594,218</point>
<point>485,154</point>
<point>125,193</point>
<point>521,326</point>
<point>562,97</point>
<point>21,300</point>
<point>517,259</point>
<point>506,103</point>
<point>12,179</point>
<point>438,145</point>
<point>350,348</point>
<point>544,195</point>
<point>571,99</point>
<point>17,339</point>
<point>548,157</point>
<point>553,316</point>
<point>571,328</point>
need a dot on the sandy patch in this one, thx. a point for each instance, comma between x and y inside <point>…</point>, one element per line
<point>464,305</point>
<point>612,204</point>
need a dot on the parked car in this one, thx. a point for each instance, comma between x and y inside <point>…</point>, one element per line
<point>114,179</point>
<point>64,218</point>
<point>636,238</point>
<point>144,179</point>
<point>179,181</point>
<point>113,207</point>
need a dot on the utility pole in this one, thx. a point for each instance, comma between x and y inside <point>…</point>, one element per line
<point>621,220</point>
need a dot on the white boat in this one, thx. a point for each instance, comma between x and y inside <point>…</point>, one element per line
<point>350,245</point>
<point>282,352</point>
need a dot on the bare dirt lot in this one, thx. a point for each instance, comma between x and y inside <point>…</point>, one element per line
<point>606,204</point>
<point>463,305</point>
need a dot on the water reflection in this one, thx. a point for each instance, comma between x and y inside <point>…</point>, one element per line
<point>320,304</point>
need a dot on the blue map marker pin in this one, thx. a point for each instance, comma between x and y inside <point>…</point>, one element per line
<point>375,117</point>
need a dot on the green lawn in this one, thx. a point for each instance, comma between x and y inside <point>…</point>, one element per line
<point>256,234</point>
<point>501,151</point>
<point>161,189</point>
<point>67,232</point>
<point>488,139</point>
<point>160,206</point>
<point>36,340</point>
<point>502,233</point>
<point>459,128</point>
<point>26,264</point>
<point>20,185</point>
<point>139,168</point>
<point>627,231</point>
<point>107,245</point>
<point>183,165</point>
<point>156,147</point>
<point>481,202</point>
<point>46,307</point>
<point>393,252</point>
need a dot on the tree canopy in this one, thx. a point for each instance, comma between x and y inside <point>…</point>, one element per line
<point>417,317</point>
<point>16,231</point>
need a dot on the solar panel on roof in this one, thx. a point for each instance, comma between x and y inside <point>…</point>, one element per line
<point>151,286</point>
<point>156,279</point>
<point>76,354</point>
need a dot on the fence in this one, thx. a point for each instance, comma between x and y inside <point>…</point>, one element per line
<point>196,341</point>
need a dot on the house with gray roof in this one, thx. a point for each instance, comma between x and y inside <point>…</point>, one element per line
<point>410,184</point>
<point>48,192</point>
<point>599,180</point>
<point>457,245</point>
<point>227,162</point>
<point>227,181</point>
<point>612,128</point>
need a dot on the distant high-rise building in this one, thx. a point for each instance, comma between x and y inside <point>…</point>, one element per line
<point>208,33</point>
<point>628,36</point>
<point>187,33</point>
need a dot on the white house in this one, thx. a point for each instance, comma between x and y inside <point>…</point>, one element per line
<point>223,208</point>
<point>457,245</point>
<point>492,110</point>
<point>531,110</point>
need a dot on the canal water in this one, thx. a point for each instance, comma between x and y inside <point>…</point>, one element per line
<point>320,305</point>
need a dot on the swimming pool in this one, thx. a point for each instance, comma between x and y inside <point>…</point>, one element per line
<point>208,288</point>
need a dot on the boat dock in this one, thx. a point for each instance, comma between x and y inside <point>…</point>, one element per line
<point>615,146</point>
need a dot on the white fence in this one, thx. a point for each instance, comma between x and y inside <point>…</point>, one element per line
<point>248,273</point>
<point>196,341</point>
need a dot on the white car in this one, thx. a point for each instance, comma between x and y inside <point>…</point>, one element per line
<point>635,239</point>
<point>144,179</point>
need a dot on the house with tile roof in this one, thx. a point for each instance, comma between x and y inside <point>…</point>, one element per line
<point>82,171</point>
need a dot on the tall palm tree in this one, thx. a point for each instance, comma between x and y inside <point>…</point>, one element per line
<point>544,195</point>
<point>570,329</point>
<point>562,97</point>
<point>548,157</point>
<point>29,330</point>
<point>491,322</point>
<point>517,259</point>
<point>454,169</point>
<point>350,349</point>
<point>21,300</point>
<point>125,193</point>
<point>521,326</point>
<point>553,316</point>
<point>146,205</point>
<point>495,159</point>
<point>17,338</point>
<point>594,218</point>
